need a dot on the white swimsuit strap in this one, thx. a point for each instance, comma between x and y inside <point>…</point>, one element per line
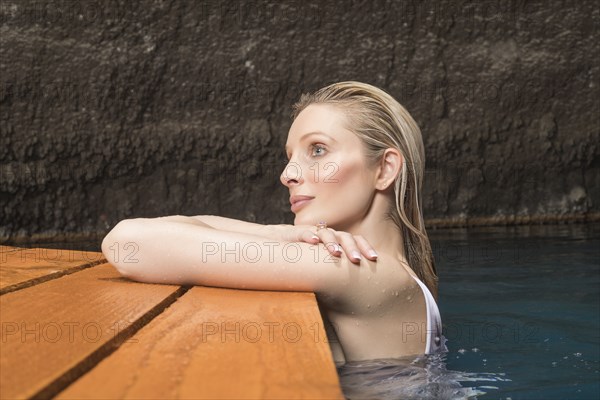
<point>433,317</point>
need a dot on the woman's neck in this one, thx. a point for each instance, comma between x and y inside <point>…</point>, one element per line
<point>382,234</point>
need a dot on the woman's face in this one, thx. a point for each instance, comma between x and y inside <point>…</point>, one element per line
<point>327,163</point>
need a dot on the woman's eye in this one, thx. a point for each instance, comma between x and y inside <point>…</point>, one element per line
<point>316,147</point>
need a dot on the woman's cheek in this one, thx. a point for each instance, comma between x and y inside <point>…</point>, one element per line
<point>349,174</point>
<point>335,172</point>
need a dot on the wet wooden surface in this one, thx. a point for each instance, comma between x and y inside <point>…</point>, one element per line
<point>23,267</point>
<point>74,328</point>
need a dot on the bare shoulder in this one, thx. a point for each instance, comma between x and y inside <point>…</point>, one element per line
<point>375,283</point>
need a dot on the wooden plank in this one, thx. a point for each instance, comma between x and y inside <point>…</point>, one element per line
<point>218,343</point>
<point>54,332</point>
<point>24,267</point>
<point>8,249</point>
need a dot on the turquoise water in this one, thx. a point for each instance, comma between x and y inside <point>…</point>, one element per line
<point>521,314</point>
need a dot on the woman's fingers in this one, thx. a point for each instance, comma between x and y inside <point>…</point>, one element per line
<point>310,237</point>
<point>354,246</point>
<point>350,248</point>
<point>333,240</point>
<point>365,247</point>
<point>330,241</point>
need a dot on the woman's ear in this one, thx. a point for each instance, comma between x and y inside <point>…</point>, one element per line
<point>390,167</point>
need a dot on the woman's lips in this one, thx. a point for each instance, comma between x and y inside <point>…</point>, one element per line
<point>299,204</point>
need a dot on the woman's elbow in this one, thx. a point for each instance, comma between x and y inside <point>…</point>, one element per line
<point>119,245</point>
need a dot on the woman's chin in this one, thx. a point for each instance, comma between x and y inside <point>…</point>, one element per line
<point>307,219</point>
<point>303,220</point>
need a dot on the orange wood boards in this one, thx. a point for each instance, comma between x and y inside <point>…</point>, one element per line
<point>221,343</point>
<point>94,334</point>
<point>56,331</point>
<point>23,267</point>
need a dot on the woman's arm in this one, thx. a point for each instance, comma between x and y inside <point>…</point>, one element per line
<point>235,225</point>
<point>182,218</point>
<point>223,224</point>
<point>282,232</point>
<point>162,251</point>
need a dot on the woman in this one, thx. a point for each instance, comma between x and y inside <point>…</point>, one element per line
<point>355,170</point>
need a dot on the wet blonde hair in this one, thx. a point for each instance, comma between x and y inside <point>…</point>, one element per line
<point>381,122</point>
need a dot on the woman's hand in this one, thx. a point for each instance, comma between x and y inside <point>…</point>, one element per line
<point>352,245</point>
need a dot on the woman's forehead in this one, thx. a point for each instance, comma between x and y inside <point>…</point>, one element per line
<point>318,118</point>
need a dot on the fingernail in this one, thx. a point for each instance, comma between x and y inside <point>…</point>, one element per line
<point>372,253</point>
<point>356,255</point>
<point>338,248</point>
<point>315,237</point>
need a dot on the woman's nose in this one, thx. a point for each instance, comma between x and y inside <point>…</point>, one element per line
<point>292,173</point>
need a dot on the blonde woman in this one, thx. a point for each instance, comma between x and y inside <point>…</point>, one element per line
<point>355,170</point>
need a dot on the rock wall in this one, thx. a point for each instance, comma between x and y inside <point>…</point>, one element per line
<point>120,109</point>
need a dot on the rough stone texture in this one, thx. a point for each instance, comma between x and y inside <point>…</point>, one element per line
<point>120,109</point>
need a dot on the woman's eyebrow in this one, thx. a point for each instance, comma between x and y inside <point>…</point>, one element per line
<point>310,134</point>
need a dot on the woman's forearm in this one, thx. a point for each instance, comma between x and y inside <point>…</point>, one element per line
<point>159,251</point>
<point>224,224</point>
<point>236,225</point>
<point>184,219</point>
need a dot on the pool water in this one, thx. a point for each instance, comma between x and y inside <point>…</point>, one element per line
<point>520,309</point>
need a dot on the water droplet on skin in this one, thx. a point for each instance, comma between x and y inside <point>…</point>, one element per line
<point>368,278</point>
<point>383,291</point>
<point>409,298</point>
<point>368,306</point>
<point>396,293</point>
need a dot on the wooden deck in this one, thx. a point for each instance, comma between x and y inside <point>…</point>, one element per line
<point>74,328</point>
